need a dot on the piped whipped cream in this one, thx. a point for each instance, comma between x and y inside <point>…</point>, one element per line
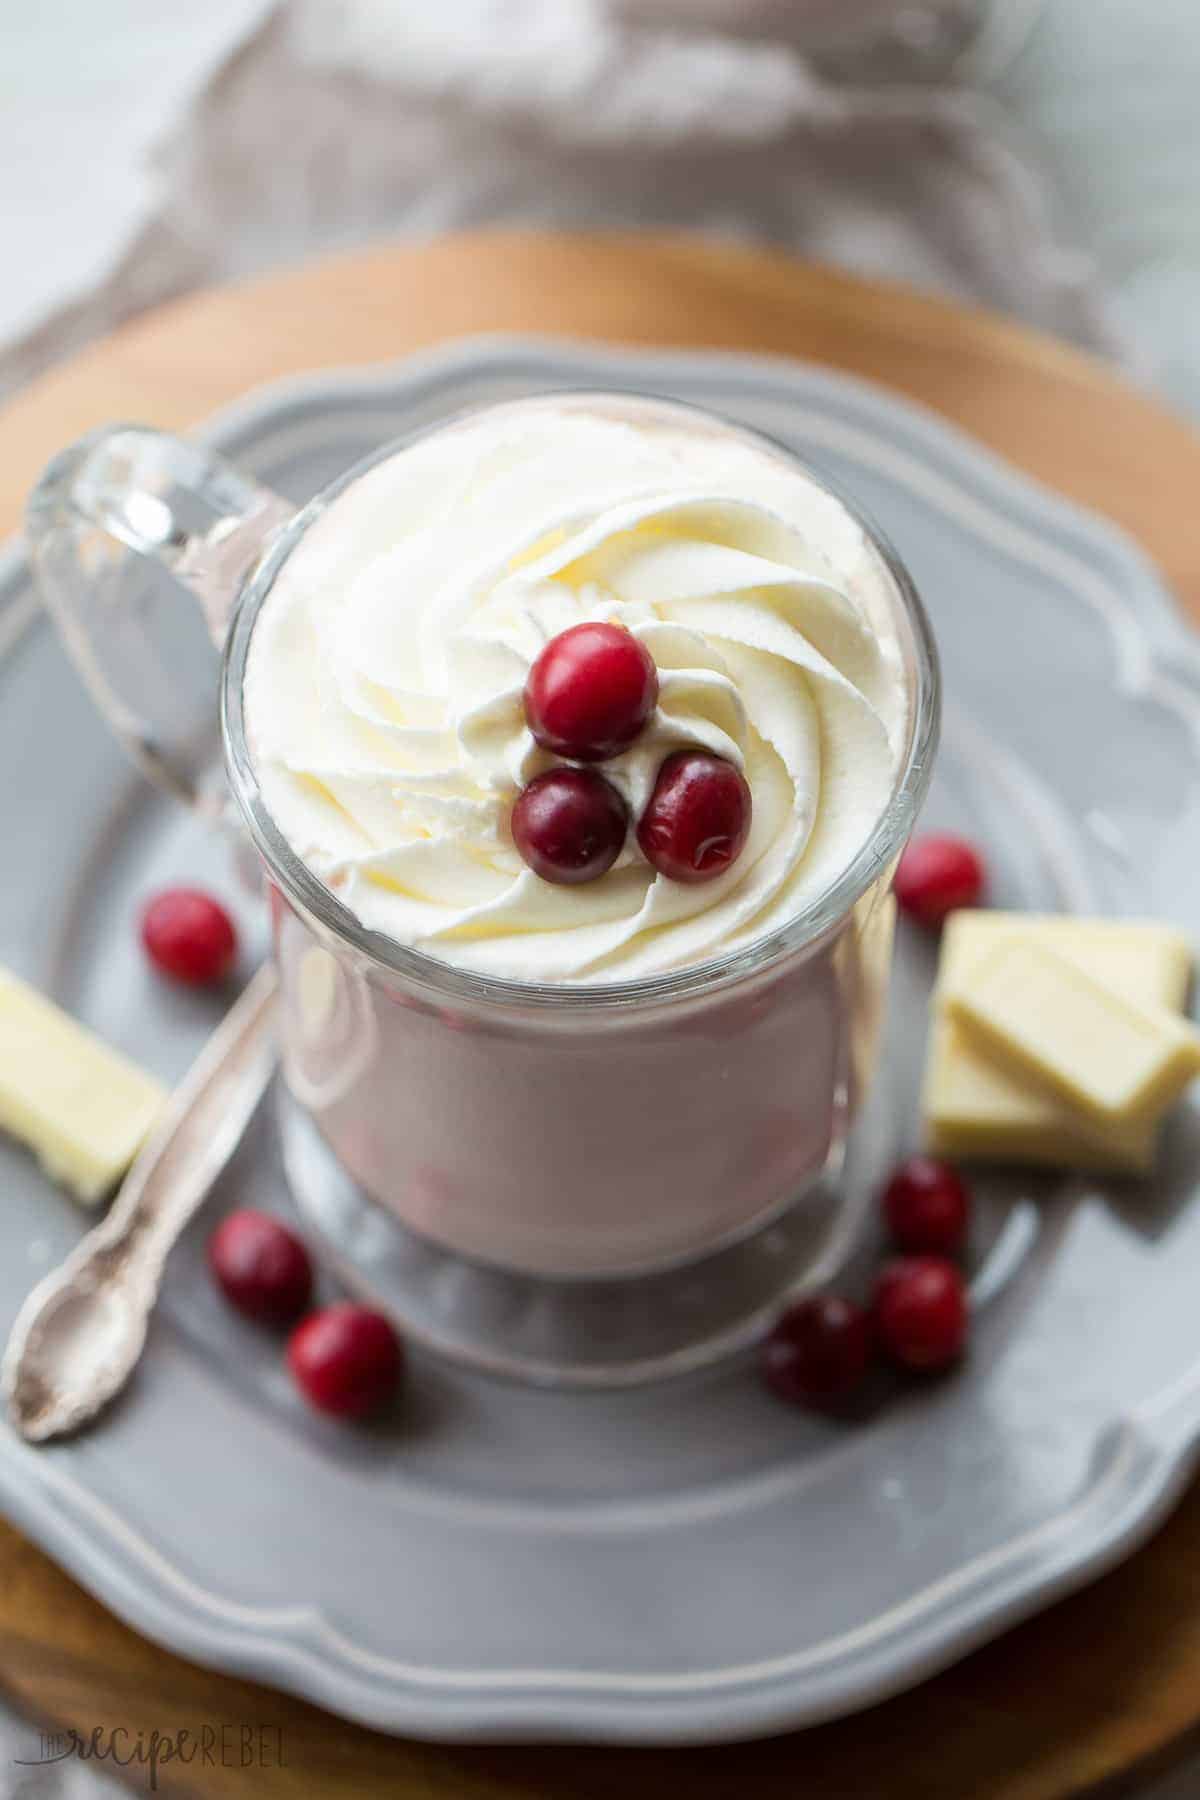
<point>383,691</point>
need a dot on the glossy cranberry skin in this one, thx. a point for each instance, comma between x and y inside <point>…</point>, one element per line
<point>189,936</point>
<point>569,825</point>
<point>263,1268</point>
<point>347,1360</point>
<point>927,1207</point>
<point>818,1352</point>
<point>697,819</point>
<point>937,875</point>
<point>590,692</point>
<point>921,1312</point>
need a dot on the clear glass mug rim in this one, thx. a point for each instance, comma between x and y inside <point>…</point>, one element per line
<point>321,905</point>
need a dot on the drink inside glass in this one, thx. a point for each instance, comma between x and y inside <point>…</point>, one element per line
<point>581,1128</point>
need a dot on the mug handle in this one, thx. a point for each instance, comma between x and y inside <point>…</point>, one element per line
<point>120,525</point>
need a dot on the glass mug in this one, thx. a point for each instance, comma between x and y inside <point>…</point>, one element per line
<point>577,1185</point>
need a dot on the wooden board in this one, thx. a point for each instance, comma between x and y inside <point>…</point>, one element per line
<point>1067,1704</point>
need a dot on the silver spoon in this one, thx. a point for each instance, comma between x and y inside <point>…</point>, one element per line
<point>78,1336</point>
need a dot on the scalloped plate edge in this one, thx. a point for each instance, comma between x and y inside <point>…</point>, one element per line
<point>1128,1493</point>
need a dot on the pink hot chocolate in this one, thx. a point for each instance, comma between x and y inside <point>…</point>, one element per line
<point>632,1066</point>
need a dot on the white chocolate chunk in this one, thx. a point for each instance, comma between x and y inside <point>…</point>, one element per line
<point>1039,1015</point>
<point>83,1108</point>
<point>977,1108</point>
<point>974,1107</point>
<point>1147,962</point>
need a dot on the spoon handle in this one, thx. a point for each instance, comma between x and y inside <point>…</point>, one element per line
<point>123,1257</point>
<point>199,1131</point>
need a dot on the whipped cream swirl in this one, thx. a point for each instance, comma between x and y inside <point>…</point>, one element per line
<point>384,682</point>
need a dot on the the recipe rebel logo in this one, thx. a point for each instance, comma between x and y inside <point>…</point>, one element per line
<point>151,1753</point>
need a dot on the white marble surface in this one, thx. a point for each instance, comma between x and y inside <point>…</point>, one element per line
<point>1043,156</point>
<point>86,92</point>
<point>1050,167</point>
<point>178,146</point>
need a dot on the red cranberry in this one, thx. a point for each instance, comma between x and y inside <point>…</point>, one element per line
<point>590,691</point>
<point>346,1360</point>
<point>189,936</point>
<point>263,1269</point>
<point>921,1312</point>
<point>818,1352</point>
<point>697,819</point>
<point>935,875</point>
<point>927,1206</point>
<point>569,825</point>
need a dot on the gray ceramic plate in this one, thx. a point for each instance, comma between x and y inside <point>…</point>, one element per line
<point>690,1561</point>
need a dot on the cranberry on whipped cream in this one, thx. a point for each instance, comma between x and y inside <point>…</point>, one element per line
<point>387,679</point>
<point>591,691</point>
<point>569,825</point>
